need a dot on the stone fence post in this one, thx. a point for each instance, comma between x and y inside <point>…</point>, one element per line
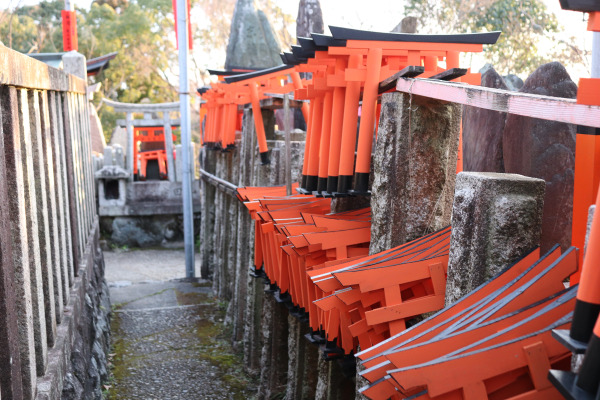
<point>414,168</point>
<point>496,219</point>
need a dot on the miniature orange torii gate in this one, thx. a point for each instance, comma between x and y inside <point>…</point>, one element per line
<point>254,86</point>
<point>224,97</point>
<point>285,248</point>
<point>351,64</point>
<point>216,98</point>
<point>510,313</point>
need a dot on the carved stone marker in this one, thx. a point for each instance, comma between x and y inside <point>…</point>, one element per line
<point>310,18</point>
<point>252,43</point>
<point>482,131</point>
<point>546,149</point>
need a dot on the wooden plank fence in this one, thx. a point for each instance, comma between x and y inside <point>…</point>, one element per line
<point>47,209</point>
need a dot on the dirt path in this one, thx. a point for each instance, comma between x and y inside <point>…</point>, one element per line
<point>169,341</point>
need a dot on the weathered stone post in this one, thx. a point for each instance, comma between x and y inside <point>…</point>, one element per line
<point>274,352</point>
<point>496,220</point>
<point>15,339</point>
<point>27,125</point>
<point>546,149</point>
<point>254,287</point>
<point>225,228</point>
<point>482,131</point>
<point>309,19</point>
<point>414,168</point>
<point>207,249</point>
<point>243,248</point>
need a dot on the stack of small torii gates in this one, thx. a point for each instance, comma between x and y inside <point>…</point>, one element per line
<point>349,71</point>
<point>494,343</point>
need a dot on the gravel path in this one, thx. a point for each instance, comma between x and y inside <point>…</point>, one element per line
<point>169,341</point>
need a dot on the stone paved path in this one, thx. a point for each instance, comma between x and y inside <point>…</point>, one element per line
<point>169,341</point>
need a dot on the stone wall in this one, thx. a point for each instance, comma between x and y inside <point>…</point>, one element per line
<point>53,299</point>
<point>80,357</point>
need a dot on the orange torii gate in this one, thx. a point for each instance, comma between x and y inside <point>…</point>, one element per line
<point>318,260</point>
<point>354,64</point>
<point>222,99</point>
<point>253,86</point>
<point>508,319</point>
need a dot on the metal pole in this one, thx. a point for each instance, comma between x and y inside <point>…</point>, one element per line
<point>595,54</point>
<point>169,145</point>
<point>288,150</point>
<point>184,100</point>
<point>130,143</point>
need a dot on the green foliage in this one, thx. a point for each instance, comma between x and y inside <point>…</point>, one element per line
<point>524,25</point>
<point>137,30</point>
<point>32,29</point>
<point>142,34</point>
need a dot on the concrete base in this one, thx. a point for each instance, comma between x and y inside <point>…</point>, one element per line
<point>151,198</point>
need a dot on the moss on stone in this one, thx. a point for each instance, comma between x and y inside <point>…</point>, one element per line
<point>191,298</point>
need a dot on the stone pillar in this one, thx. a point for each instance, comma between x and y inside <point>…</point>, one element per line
<point>414,168</point>
<point>178,155</point>
<point>74,63</point>
<point>16,190</point>
<point>108,159</point>
<point>130,143</point>
<point>27,126</point>
<point>496,219</point>
<point>46,210</point>
<point>10,287</point>
<point>243,247</point>
<point>61,171</point>
<point>274,354</point>
<point>207,248</point>
<point>407,25</point>
<point>224,229</point>
<point>546,149</point>
<point>119,155</point>
<point>249,171</point>
<point>71,182</point>
<point>302,362</point>
<point>309,19</point>
<point>332,384</point>
<point>482,131</point>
